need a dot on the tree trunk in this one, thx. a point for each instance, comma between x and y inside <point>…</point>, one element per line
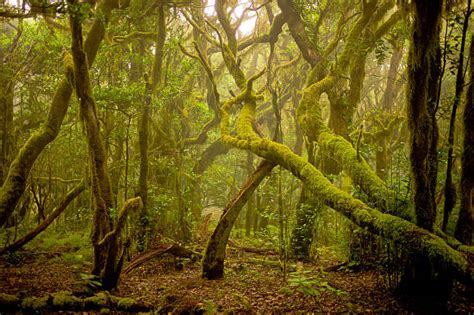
<point>100,182</point>
<point>143,132</point>
<point>251,202</point>
<point>465,223</point>
<point>423,82</point>
<point>422,276</point>
<point>105,238</point>
<point>390,92</point>
<point>302,235</point>
<point>214,255</point>
<point>449,188</point>
<point>6,120</point>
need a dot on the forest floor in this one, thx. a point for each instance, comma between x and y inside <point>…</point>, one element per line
<point>252,284</point>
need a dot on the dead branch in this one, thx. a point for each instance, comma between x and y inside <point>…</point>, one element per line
<point>173,249</point>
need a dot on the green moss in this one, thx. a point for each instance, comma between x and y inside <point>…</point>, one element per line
<point>100,300</point>
<point>125,303</point>
<point>68,62</point>
<point>65,299</point>
<point>35,303</point>
<point>8,299</point>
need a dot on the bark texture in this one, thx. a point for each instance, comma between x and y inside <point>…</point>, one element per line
<point>423,82</point>
<point>449,187</point>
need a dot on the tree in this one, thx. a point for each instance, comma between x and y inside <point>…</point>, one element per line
<point>465,223</point>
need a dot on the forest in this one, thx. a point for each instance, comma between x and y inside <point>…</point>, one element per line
<point>236,156</point>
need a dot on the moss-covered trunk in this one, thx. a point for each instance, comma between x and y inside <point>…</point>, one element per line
<point>15,181</point>
<point>422,276</point>
<point>100,182</point>
<point>302,234</point>
<point>106,236</point>
<point>143,131</point>
<point>423,81</point>
<point>6,120</point>
<point>465,223</point>
<point>214,255</point>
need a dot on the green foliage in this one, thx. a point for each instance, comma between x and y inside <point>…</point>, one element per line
<point>210,307</point>
<point>121,96</point>
<point>82,11</point>
<point>309,284</point>
<point>381,51</point>
<point>91,281</point>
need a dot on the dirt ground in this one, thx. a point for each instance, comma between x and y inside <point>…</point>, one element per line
<point>252,284</point>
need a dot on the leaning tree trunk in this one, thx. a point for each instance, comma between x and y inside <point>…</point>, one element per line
<point>71,195</point>
<point>15,181</point>
<point>465,223</point>
<point>213,261</point>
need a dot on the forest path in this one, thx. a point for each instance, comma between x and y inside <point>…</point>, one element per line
<point>253,283</point>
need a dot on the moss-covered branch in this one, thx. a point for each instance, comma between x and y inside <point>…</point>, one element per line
<point>125,39</point>
<point>405,233</point>
<point>133,204</point>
